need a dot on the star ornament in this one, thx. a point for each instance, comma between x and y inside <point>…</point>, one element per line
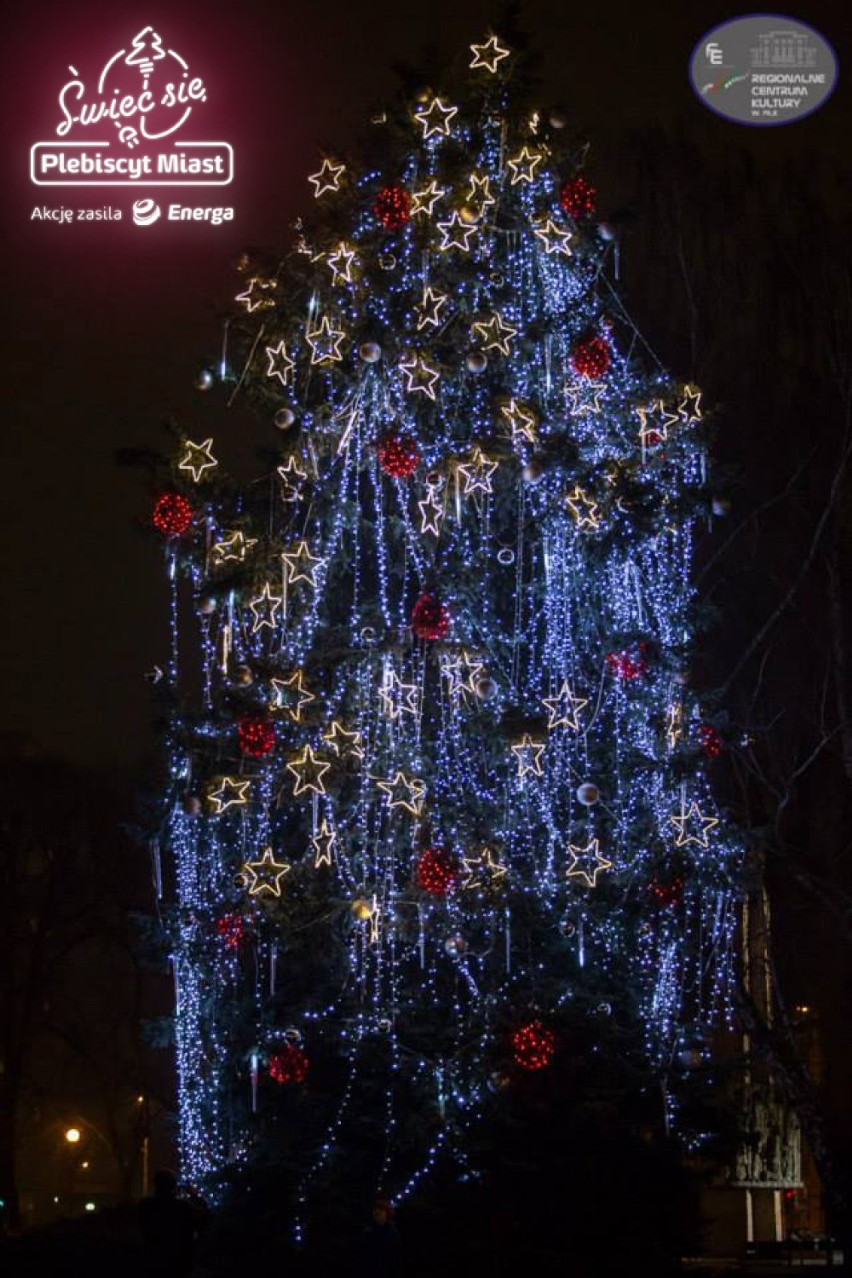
<point>455,233</point>
<point>564,708</point>
<point>692,826</point>
<point>479,192</point>
<point>431,512</point>
<point>266,874</point>
<point>689,407</point>
<point>324,845</point>
<point>300,565</point>
<point>431,309</point>
<point>344,744</point>
<point>308,772</point>
<point>292,477</point>
<point>197,459</point>
<point>257,296</point>
<point>424,201</point>
<point>584,398</point>
<point>341,261</point>
<point>495,334</point>
<point>488,56</point>
<point>528,753</point>
<point>404,792</point>
<point>420,379</point>
<point>583,510</point>
<point>587,863</point>
<point>477,473</point>
<point>524,165</point>
<point>233,547</point>
<point>397,698</point>
<point>264,609</point>
<point>280,364</point>
<point>482,872</point>
<point>291,695</point>
<point>522,421</point>
<point>654,423</point>
<point>230,793</point>
<point>327,179</point>
<point>435,120</point>
<point>325,343</point>
<point>553,237</point>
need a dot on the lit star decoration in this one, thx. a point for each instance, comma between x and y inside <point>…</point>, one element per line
<point>397,698</point>
<point>420,379</point>
<point>655,421</point>
<point>488,56</point>
<point>431,308</point>
<point>300,565</point>
<point>587,863</point>
<point>477,473</point>
<point>553,237</point>
<point>522,420</point>
<point>524,165</point>
<point>495,334</point>
<point>265,609</point>
<point>291,695</point>
<point>292,477</point>
<point>689,407</point>
<point>583,510</point>
<point>308,772</point>
<point>328,178</point>
<point>481,871</point>
<point>280,364</point>
<point>479,192</point>
<point>584,398</point>
<point>455,233</point>
<point>325,343</point>
<point>674,725</point>
<point>462,673</point>
<point>424,201</point>
<point>257,295</point>
<point>197,459</point>
<point>528,753</point>
<point>435,120</point>
<point>341,262</point>
<point>692,826</point>
<point>230,793</point>
<point>344,744</point>
<point>431,511</point>
<point>564,708</point>
<point>233,547</point>
<point>324,845</point>
<point>266,874</point>
<point>403,792</point>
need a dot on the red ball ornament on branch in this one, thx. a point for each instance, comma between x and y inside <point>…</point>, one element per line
<point>172,514</point>
<point>256,737</point>
<point>591,357</point>
<point>231,929</point>
<point>711,742</point>
<point>534,1046</point>
<point>289,1064</point>
<point>398,454</point>
<point>436,871</point>
<point>393,207</point>
<point>667,892</point>
<point>430,618</point>
<point>628,664</point>
<point>577,197</point>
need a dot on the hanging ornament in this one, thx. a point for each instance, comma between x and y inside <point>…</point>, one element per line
<point>370,352</point>
<point>387,261</point>
<point>398,454</point>
<point>393,207</point>
<point>284,418</point>
<point>231,929</point>
<point>361,909</point>
<point>590,357</point>
<point>477,362</point>
<point>256,737</point>
<point>721,506</point>
<point>486,689</point>
<point>289,1064</point>
<point>204,380</point>
<point>711,742</point>
<point>628,664</point>
<point>191,804</point>
<point>207,606</point>
<point>436,871</point>
<point>244,676</point>
<point>455,945</point>
<point>667,891</point>
<point>172,515</point>
<point>430,619</point>
<point>588,794</point>
<point>534,1046</point>
<point>577,198</point>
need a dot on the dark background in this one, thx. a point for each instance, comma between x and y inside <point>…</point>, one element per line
<point>106,327</point>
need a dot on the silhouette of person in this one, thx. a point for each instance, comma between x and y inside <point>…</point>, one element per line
<point>168,1228</point>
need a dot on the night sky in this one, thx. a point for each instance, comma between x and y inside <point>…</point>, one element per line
<point>105,328</point>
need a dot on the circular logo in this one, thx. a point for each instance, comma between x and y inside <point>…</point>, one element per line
<point>763,69</point>
<point>145,212</point>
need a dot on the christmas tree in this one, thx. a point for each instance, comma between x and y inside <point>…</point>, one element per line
<point>440,797</point>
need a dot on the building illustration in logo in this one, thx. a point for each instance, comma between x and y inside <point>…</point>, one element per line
<point>783,49</point>
<point>130,128</point>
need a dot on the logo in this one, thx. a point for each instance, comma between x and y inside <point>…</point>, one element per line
<point>146,212</point>
<point>763,69</point>
<point>129,126</point>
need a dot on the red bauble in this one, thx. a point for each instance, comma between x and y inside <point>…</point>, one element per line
<point>256,737</point>
<point>577,197</point>
<point>667,892</point>
<point>289,1064</point>
<point>711,742</point>
<point>172,514</point>
<point>436,871</point>
<point>393,207</point>
<point>398,454</point>
<point>534,1046</point>
<point>628,664</point>
<point>231,928</point>
<point>430,619</point>
<point>591,357</point>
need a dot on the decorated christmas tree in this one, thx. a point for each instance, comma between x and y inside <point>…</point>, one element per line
<point>439,791</point>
